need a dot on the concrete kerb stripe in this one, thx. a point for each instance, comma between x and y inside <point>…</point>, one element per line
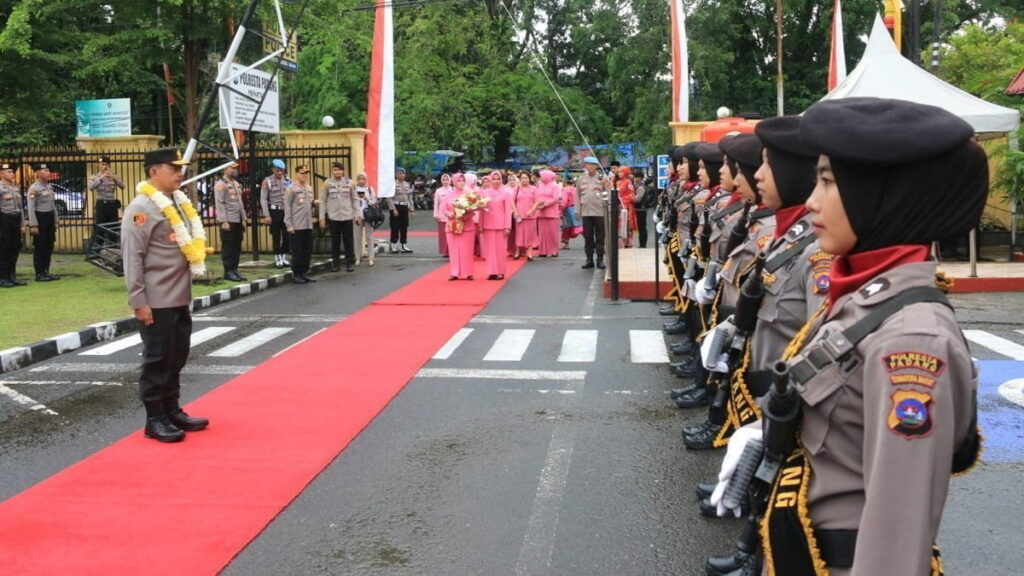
<point>22,356</point>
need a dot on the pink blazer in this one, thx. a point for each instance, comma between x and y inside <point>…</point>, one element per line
<point>468,223</point>
<point>440,195</point>
<point>568,196</point>
<point>550,194</point>
<point>498,215</point>
<point>525,199</point>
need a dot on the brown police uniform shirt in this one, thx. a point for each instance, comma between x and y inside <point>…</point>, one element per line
<point>298,207</point>
<point>227,197</point>
<point>591,191</point>
<point>342,201</point>
<point>272,194</point>
<point>792,294</point>
<point>759,235</point>
<point>10,201</point>
<point>41,199</point>
<point>403,191</point>
<point>105,186</point>
<point>156,273</point>
<point>881,427</point>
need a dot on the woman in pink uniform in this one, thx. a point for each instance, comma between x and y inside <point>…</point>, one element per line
<point>496,221</point>
<point>568,201</point>
<point>439,215</point>
<point>526,217</point>
<point>549,215</point>
<point>461,231</point>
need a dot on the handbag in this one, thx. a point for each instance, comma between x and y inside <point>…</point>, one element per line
<point>373,214</point>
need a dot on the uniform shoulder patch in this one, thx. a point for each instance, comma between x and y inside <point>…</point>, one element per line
<point>139,219</point>
<point>880,285</point>
<point>912,378</point>
<point>763,242</point>
<point>914,360</point>
<point>821,269</point>
<point>911,414</point>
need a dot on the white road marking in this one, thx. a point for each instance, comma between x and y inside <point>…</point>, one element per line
<point>578,346</point>
<point>250,342</point>
<point>115,346</point>
<point>1013,390</point>
<point>207,334</point>
<point>573,375</point>
<point>25,400</point>
<point>995,343</point>
<point>305,318</point>
<point>90,367</point>
<point>299,342</point>
<point>452,344</point>
<point>647,347</point>
<point>510,346</point>
<point>60,382</point>
<point>591,298</point>
<point>531,320</point>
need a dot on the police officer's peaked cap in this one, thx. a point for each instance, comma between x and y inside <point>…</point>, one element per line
<point>337,165</point>
<point>709,152</point>
<point>104,160</point>
<point>167,155</point>
<point>40,166</point>
<point>783,133</point>
<point>6,166</point>
<point>743,148</point>
<point>881,132</point>
<point>302,169</point>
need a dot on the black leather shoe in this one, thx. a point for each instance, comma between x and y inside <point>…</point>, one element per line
<point>702,440</point>
<point>298,279</point>
<point>706,509</point>
<point>42,278</point>
<point>667,310</point>
<point>335,268</point>
<point>51,276</point>
<point>5,283</point>
<point>232,277</point>
<point>349,268</point>
<point>726,564</point>
<point>187,423</point>
<point>161,429</point>
<point>588,265</point>
<point>17,282</point>
<point>679,392</point>
<point>684,369</point>
<point>681,348</point>
<point>673,329</point>
<point>704,489</point>
<point>307,278</point>
<point>694,399</point>
<point>600,263</point>
<point>691,430</point>
<point>240,277</point>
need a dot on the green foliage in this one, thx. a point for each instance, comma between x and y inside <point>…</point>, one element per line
<point>984,61</point>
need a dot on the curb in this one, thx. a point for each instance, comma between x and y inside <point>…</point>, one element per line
<point>22,356</point>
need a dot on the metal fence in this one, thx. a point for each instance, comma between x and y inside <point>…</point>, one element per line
<point>71,169</point>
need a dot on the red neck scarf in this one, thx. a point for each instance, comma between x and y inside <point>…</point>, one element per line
<point>851,271</point>
<point>786,217</point>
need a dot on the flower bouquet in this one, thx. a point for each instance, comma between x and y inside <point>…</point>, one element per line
<point>465,205</point>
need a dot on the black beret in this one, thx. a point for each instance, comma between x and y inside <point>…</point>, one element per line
<point>743,148</point>
<point>783,133</point>
<point>337,165</point>
<point>881,132</point>
<point>676,154</point>
<point>709,152</point>
<point>167,155</point>
<point>690,151</point>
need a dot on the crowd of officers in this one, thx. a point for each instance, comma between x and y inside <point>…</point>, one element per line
<point>795,254</point>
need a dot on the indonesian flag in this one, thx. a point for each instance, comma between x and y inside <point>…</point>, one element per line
<point>680,64</point>
<point>380,114</point>
<point>837,53</point>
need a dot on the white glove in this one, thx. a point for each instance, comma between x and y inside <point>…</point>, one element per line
<point>737,443</point>
<point>659,227</point>
<point>691,286</point>
<point>705,296</point>
<point>718,363</point>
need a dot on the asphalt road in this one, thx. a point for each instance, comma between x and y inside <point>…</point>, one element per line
<point>561,464</point>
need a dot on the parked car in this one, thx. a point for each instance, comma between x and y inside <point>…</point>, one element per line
<point>69,202</point>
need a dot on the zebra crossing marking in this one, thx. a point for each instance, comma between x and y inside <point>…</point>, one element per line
<point>510,346</point>
<point>453,344</point>
<point>113,347</point>
<point>250,342</point>
<point>996,344</point>
<point>647,347</point>
<point>578,346</point>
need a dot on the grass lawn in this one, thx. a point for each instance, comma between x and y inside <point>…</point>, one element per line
<point>84,295</point>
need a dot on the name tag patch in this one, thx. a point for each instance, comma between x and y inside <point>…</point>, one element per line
<point>914,360</point>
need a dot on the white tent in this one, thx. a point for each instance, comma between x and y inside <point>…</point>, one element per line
<point>884,73</point>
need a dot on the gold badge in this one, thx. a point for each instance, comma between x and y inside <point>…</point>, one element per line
<point>139,220</point>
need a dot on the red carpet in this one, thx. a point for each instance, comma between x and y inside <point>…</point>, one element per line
<point>273,430</point>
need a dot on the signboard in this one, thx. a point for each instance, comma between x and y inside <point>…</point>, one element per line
<point>290,58</point>
<point>662,171</point>
<point>241,109</point>
<point>98,118</point>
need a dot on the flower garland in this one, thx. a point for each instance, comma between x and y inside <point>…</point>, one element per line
<point>193,247</point>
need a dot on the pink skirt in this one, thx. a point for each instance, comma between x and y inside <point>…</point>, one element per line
<point>550,232</point>
<point>495,251</point>
<point>526,233</point>
<point>460,252</point>
<point>442,239</point>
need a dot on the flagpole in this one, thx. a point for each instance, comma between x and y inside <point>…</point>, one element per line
<point>780,108</point>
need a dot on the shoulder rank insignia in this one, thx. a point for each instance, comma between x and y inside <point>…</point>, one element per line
<point>880,285</point>
<point>911,414</point>
<point>796,230</point>
<point>139,220</point>
<point>914,360</point>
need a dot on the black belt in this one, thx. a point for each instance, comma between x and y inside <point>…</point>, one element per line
<point>400,203</point>
<point>837,547</point>
<point>101,201</point>
<point>277,206</point>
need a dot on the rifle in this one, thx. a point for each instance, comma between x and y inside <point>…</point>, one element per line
<point>738,234</point>
<point>705,248</point>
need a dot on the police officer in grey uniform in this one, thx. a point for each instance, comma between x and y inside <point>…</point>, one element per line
<point>342,207</point>
<point>298,220</point>
<point>105,184</point>
<point>12,225</point>
<point>227,196</point>
<point>159,290</point>
<point>43,221</point>
<point>272,201</point>
<point>401,208</point>
<point>592,193</point>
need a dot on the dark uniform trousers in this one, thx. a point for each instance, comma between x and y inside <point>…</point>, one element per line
<point>302,250</point>
<point>10,243</point>
<point>231,245</point>
<point>43,242</point>
<point>278,231</point>
<point>641,226</point>
<point>165,345</point>
<point>342,232</point>
<point>105,212</point>
<point>400,224</point>
<point>593,235</point>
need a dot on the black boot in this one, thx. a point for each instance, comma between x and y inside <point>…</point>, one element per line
<point>677,327</point>
<point>704,489</point>
<point>691,430</point>
<point>682,348</point>
<point>16,282</point>
<point>158,426</point>
<point>696,398</point>
<point>6,283</point>
<point>686,369</point>
<point>179,418</point>
<point>588,264</point>
<point>667,310</point>
<point>677,393</point>
<point>745,565</point>
<point>232,276</point>
<point>703,440</point>
<point>600,261</point>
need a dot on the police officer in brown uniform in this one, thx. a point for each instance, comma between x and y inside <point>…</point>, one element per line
<point>105,184</point>
<point>159,285</point>
<point>341,209</point>
<point>298,218</point>
<point>401,208</point>
<point>886,379</point>
<point>227,197</point>
<point>592,193</point>
<point>12,225</point>
<point>43,221</point>
<point>272,201</point>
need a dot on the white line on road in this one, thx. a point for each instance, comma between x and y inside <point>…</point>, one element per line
<point>61,382</point>
<point>647,347</point>
<point>25,400</point>
<point>305,318</point>
<point>250,342</point>
<point>207,334</point>
<point>87,367</point>
<point>578,346</point>
<point>531,320</point>
<point>115,346</point>
<point>482,374</point>
<point>453,343</point>
<point>996,344</point>
<point>1013,390</point>
<point>510,346</point>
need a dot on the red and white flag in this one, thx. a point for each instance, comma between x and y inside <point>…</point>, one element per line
<point>680,64</point>
<point>837,53</point>
<point>380,114</point>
